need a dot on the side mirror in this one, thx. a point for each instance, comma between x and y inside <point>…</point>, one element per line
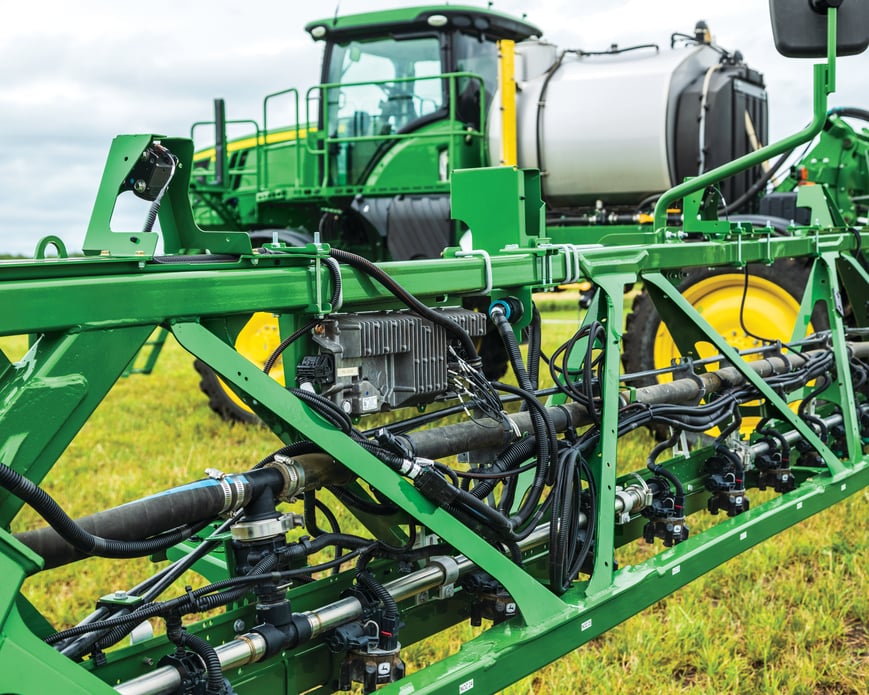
<point>799,27</point>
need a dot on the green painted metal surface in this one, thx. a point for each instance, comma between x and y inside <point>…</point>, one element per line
<point>90,316</point>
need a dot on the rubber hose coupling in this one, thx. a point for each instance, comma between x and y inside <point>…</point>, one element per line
<point>510,307</point>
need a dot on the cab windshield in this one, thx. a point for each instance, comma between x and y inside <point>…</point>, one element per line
<point>402,85</point>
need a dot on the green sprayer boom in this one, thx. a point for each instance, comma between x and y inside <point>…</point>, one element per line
<point>503,502</point>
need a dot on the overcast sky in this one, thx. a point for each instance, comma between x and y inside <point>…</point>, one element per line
<point>76,74</point>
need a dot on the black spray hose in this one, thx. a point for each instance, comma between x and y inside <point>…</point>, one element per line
<point>369,268</point>
<point>152,518</point>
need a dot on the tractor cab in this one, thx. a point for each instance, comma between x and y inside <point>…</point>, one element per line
<point>403,101</point>
<point>388,75</point>
<point>392,72</point>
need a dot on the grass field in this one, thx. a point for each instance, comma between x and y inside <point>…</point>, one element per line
<point>790,616</point>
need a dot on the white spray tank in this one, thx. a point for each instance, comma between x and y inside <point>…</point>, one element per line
<point>625,124</point>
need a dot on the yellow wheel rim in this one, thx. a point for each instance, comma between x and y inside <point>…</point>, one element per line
<point>770,312</point>
<point>257,341</point>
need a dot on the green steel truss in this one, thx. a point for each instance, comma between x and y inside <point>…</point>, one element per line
<point>89,317</point>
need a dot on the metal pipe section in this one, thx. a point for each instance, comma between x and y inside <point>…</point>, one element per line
<point>792,436</point>
<point>485,433</point>
<point>244,649</point>
<point>250,647</point>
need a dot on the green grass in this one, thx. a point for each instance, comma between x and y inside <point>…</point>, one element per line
<point>790,616</point>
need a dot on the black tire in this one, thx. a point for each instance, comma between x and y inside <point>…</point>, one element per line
<point>218,398</point>
<point>643,322</point>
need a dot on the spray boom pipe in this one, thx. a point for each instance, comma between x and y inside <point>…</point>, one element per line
<point>824,84</point>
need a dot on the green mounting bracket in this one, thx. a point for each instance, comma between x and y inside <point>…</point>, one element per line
<point>178,230</point>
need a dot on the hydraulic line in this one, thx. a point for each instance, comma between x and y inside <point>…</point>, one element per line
<point>484,433</point>
<point>251,647</point>
<point>68,540</point>
<point>82,540</point>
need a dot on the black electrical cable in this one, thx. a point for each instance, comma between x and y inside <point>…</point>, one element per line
<point>566,554</point>
<point>172,160</point>
<point>544,431</point>
<point>214,683</point>
<point>311,504</point>
<point>564,525</point>
<point>148,589</point>
<point>350,499</point>
<point>647,201</point>
<point>507,461</point>
<point>756,187</point>
<point>777,440</point>
<point>742,309</point>
<point>559,364</point>
<point>325,408</point>
<point>389,614</point>
<point>364,265</point>
<point>286,342</point>
<point>490,475</point>
<point>224,591</point>
<point>665,473</point>
<point>849,112</point>
<point>198,600</point>
<point>538,125</point>
<point>336,299</point>
<point>545,469</point>
<point>290,451</point>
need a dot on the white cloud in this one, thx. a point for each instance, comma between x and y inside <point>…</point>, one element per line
<point>77,74</point>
